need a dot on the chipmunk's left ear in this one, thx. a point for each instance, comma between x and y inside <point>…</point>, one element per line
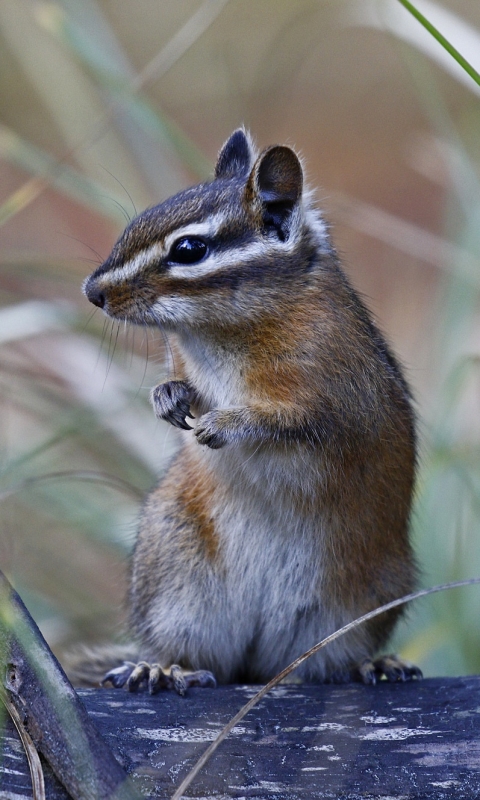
<point>235,157</point>
<point>275,186</point>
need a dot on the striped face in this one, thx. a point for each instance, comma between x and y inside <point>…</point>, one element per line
<point>200,257</point>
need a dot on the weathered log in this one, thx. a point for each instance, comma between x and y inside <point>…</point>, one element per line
<point>458,749</point>
<point>418,740</point>
<point>50,710</point>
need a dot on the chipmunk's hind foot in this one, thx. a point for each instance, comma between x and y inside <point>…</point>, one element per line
<point>132,676</point>
<point>391,667</point>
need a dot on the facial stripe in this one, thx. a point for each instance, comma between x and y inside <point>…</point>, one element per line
<point>144,258</point>
<point>132,267</point>
<point>208,229</point>
<point>218,259</point>
<point>216,262</point>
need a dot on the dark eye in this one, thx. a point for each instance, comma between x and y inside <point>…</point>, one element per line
<point>188,250</point>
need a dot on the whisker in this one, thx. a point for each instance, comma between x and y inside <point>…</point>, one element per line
<point>88,320</point>
<point>114,344</point>
<point>251,455</point>
<point>122,208</point>
<point>129,341</point>
<point>124,189</point>
<point>169,352</point>
<point>111,349</point>
<point>102,342</point>
<point>88,260</point>
<point>74,239</point>
<point>146,362</point>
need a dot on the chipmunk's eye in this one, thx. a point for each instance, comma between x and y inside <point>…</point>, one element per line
<point>188,250</point>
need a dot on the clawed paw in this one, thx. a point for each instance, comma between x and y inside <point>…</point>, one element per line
<point>391,667</point>
<point>171,402</point>
<point>132,676</point>
<point>211,431</point>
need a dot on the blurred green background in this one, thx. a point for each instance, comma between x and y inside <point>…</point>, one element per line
<point>109,106</point>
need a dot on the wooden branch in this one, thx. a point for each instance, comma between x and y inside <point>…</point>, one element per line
<point>50,711</point>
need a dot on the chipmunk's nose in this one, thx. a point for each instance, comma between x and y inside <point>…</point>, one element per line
<point>94,294</point>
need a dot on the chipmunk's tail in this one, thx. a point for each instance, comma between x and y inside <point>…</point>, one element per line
<point>88,665</point>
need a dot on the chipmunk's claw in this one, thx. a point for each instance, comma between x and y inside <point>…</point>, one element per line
<point>177,419</point>
<point>132,676</point>
<point>171,403</point>
<point>212,429</point>
<point>118,676</point>
<point>391,667</point>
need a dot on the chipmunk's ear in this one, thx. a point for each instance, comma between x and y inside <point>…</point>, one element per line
<point>275,184</point>
<point>235,157</point>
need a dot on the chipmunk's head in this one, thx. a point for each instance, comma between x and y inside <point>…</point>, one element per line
<point>215,253</point>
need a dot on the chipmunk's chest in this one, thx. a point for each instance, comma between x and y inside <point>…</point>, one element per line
<point>269,551</point>
<point>216,372</point>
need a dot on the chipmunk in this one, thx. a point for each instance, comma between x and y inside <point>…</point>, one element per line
<point>285,513</point>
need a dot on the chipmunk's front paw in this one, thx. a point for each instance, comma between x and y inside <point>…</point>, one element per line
<point>171,402</point>
<point>132,676</point>
<point>215,428</point>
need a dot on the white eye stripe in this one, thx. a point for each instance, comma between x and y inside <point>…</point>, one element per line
<point>233,257</point>
<point>215,261</point>
<point>208,229</point>
<point>134,266</point>
<point>239,255</point>
<point>147,256</point>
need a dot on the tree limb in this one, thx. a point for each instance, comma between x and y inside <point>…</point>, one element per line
<point>47,707</point>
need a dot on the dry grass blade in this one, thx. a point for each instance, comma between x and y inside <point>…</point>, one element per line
<point>407,237</point>
<point>188,34</point>
<point>36,771</point>
<point>80,475</point>
<point>291,667</point>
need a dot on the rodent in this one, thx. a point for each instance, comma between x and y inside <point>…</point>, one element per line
<point>285,512</point>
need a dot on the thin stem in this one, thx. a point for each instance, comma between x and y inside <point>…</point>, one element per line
<point>442,40</point>
<point>283,674</point>
<point>34,763</point>
<point>160,64</point>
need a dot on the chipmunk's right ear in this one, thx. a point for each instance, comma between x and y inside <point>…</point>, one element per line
<point>235,157</point>
<point>275,188</point>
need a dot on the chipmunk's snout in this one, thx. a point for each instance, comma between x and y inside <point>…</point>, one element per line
<point>94,294</point>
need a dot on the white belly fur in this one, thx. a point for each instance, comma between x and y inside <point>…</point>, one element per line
<point>260,604</point>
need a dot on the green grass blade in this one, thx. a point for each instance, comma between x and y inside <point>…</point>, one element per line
<point>442,40</point>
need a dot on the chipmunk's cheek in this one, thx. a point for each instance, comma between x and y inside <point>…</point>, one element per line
<point>175,309</point>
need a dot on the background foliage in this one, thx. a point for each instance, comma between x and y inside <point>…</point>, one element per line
<point>109,106</point>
